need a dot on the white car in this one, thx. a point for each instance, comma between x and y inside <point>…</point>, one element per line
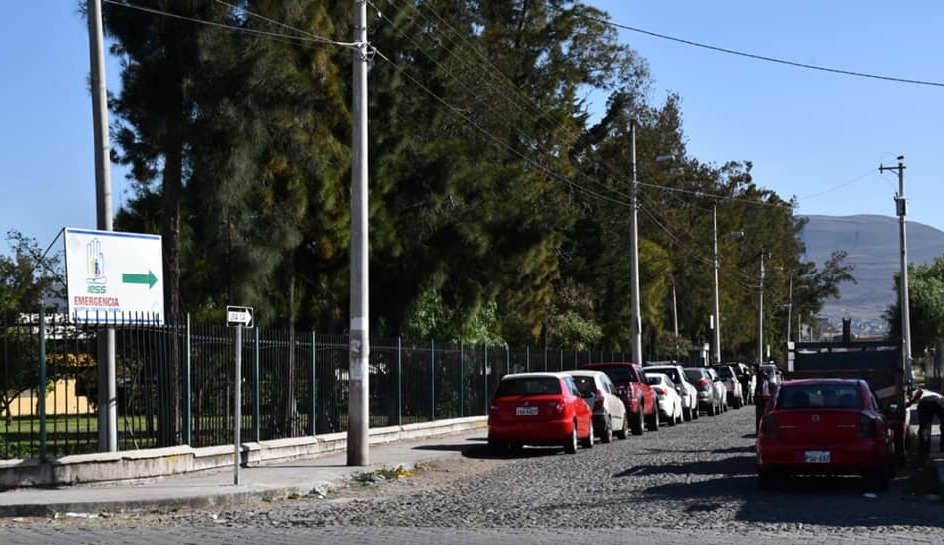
<point>609,413</point>
<point>732,383</point>
<point>670,403</point>
<point>685,389</point>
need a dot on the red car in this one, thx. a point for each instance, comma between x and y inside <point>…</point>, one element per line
<point>824,426</point>
<point>538,409</point>
<point>642,406</point>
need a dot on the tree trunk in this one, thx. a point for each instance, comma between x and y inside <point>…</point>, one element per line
<point>169,376</point>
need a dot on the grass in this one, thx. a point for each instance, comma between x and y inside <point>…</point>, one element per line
<point>367,478</point>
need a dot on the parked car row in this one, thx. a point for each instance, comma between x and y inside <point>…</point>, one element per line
<point>599,401</point>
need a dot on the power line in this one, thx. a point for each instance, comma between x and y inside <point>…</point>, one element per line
<point>766,58</point>
<point>311,38</point>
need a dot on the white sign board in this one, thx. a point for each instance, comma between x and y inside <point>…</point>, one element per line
<point>114,277</point>
<point>239,316</point>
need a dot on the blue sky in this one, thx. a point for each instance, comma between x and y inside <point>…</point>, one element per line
<point>815,135</point>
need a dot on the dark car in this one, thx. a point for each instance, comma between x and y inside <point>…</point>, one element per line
<point>709,400</point>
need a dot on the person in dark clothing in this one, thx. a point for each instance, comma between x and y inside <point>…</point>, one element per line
<point>930,404</point>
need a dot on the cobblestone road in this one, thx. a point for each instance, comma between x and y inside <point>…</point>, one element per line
<point>693,483</point>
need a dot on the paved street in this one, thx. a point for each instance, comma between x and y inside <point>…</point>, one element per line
<point>693,483</point>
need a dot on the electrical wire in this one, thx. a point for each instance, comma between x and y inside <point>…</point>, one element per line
<point>311,38</point>
<point>766,58</point>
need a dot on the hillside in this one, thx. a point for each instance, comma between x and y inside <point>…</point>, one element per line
<point>872,243</point>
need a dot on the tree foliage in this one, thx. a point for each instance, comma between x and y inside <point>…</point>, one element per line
<point>499,197</point>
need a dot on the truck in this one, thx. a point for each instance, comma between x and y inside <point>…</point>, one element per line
<point>633,389</point>
<point>878,361</point>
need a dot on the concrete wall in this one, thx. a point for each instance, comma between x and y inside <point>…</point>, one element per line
<point>149,464</point>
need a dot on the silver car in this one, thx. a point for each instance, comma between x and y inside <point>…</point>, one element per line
<point>609,413</point>
<point>710,398</point>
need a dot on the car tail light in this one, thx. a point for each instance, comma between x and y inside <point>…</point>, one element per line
<point>868,426</point>
<point>659,390</point>
<point>703,383</point>
<point>768,427</point>
<point>598,401</point>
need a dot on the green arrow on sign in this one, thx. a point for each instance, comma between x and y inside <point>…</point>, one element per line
<point>149,279</point>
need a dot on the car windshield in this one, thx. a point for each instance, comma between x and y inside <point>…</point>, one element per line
<point>528,386</point>
<point>819,396</point>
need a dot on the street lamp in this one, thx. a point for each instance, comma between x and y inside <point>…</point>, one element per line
<point>717,313</point>
<point>634,245</point>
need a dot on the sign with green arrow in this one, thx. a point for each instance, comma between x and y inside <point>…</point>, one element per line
<point>110,277</point>
<point>131,278</point>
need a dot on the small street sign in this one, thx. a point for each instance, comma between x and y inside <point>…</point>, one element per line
<point>239,316</point>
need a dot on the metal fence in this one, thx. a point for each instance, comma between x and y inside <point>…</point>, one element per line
<point>293,384</point>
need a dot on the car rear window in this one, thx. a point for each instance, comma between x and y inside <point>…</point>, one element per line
<point>528,386</point>
<point>670,372</point>
<point>694,375</point>
<point>724,372</point>
<point>819,396</point>
<point>585,385</point>
<point>619,374</point>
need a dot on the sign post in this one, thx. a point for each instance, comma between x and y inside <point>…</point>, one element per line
<point>238,317</point>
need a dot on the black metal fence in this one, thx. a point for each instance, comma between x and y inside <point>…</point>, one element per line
<point>293,384</point>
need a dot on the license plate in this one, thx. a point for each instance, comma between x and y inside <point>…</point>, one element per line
<point>528,411</point>
<point>816,456</point>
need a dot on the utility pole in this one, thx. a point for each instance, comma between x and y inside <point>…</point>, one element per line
<point>790,309</point>
<point>358,407</point>
<point>634,250</point>
<point>904,301</point>
<point>674,310</point>
<point>107,391</point>
<point>717,325</point>
<point>760,314</point>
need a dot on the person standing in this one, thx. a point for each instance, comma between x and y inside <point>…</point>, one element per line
<point>930,404</point>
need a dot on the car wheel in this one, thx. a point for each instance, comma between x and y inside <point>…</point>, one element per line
<point>623,432</point>
<point>766,479</point>
<point>878,479</point>
<point>588,441</point>
<point>570,445</point>
<point>637,424</point>
<point>653,420</point>
<point>687,414</point>
<point>711,408</point>
<point>695,411</point>
<point>680,415</point>
<point>606,435</point>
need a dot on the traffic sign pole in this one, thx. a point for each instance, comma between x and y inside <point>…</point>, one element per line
<point>237,395</point>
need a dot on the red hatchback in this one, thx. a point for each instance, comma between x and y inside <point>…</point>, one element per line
<point>824,427</point>
<point>538,409</point>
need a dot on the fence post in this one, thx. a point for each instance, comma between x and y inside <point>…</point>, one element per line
<point>527,358</point>
<point>188,386</point>
<point>507,359</point>
<point>256,389</point>
<point>399,381</point>
<point>312,386</point>
<point>42,384</point>
<point>461,379</point>
<point>432,380</point>
<point>485,374</point>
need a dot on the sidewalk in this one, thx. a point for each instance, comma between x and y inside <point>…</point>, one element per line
<point>217,488</point>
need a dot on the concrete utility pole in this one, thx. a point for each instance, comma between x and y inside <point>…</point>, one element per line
<point>634,250</point>
<point>717,324</point>
<point>904,300</point>
<point>359,406</point>
<point>760,314</point>
<point>107,391</point>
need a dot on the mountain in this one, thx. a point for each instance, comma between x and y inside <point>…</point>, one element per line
<point>872,244</point>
